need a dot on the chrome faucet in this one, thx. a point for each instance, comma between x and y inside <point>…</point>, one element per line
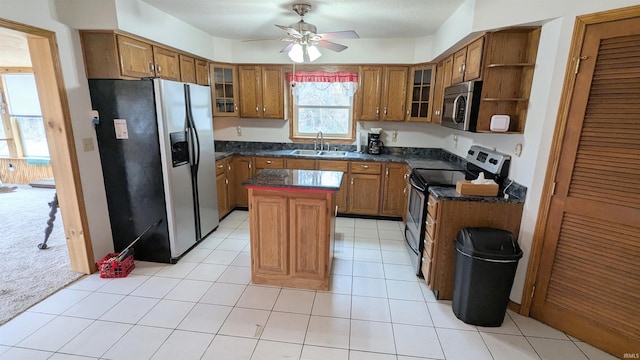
<point>315,143</point>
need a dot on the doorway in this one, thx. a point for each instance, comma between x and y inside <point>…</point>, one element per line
<point>43,53</point>
<point>584,276</point>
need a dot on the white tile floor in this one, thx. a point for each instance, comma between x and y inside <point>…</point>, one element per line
<point>205,308</point>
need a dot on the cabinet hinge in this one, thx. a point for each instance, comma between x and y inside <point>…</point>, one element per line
<point>533,291</point>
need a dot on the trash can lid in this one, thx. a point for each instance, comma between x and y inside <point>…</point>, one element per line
<point>488,243</point>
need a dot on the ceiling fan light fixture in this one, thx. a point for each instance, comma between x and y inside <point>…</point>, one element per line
<point>313,53</point>
<point>296,54</point>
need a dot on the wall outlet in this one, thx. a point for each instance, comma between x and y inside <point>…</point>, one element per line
<point>239,131</point>
<point>87,144</point>
<point>394,135</point>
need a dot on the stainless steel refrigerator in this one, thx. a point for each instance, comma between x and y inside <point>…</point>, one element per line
<point>155,139</point>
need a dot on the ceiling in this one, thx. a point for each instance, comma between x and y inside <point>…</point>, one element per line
<point>255,19</point>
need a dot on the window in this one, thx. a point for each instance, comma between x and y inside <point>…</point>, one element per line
<point>323,101</point>
<point>24,110</point>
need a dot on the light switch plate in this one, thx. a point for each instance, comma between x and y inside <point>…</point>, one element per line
<point>87,144</point>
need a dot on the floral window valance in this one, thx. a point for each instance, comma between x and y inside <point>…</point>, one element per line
<point>322,76</point>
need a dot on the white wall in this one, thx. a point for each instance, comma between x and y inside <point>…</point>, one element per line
<point>40,13</point>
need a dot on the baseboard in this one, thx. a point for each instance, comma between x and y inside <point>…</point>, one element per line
<point>513,306</point>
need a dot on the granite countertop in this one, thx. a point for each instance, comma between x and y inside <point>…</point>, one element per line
<point>414,162</point>
<point>296,179</point>
<point>450,193</point>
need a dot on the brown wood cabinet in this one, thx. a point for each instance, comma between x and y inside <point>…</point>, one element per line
<point>261,91</point>
<point>467,62</point>
<point>509,62</point>
<point>224,90</point>
<point>364,188</point>
<point>443,80</point>
<point>342,194</point>
<point>222,183</point>
<point>291,237</point>
<point>301,164</point>
<point>268,163</point>
<point>187,69</point>
<point>421,92</point>
<point>394,193</point>
<point>383,93</point>
<point>112,55</point>
<point>241,170</point>
<point>202,72</point>
<point>444,221</point>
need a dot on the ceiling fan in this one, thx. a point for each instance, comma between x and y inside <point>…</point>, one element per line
<point>305,39</point>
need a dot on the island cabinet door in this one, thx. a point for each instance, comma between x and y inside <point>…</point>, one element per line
<point>309,237</point>
<point>269,227</point>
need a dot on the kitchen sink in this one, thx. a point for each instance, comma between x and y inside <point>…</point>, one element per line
<point>303,152</point>
<point>306,152</point>
<point>333,153</point>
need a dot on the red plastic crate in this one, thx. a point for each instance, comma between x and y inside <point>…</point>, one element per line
<point>115,269</point>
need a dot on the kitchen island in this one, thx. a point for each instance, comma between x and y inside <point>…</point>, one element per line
<point>292,224</point>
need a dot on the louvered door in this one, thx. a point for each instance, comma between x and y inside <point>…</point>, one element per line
<point>588,281</point>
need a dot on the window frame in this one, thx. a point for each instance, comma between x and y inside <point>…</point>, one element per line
<point>291,108</point>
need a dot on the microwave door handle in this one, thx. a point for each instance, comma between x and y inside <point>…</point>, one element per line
<point>455,109</point>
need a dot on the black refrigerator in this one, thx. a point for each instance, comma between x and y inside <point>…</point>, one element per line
<point>155,139</point>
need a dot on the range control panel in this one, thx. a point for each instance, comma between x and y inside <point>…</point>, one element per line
<point>488,160</point>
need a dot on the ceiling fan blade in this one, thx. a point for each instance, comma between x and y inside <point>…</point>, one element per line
<point>331,45</point>
<point>347,34</point>
<point>291,31</point>
<point>287,48</point>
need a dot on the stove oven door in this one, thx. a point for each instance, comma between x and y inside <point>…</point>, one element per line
<point>415,218</point>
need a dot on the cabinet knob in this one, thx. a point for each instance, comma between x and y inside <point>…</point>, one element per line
<point>220,166</point>
<point>264,109</point>
<point>229,167</point>
<point>437,112</point>
<point>385,111</point>
<point>268,161</point>
<point>386,173</point>
<point>365,166</point>
<point>377,110</point>
<point>226,181</point>
<point>404,191</point>
<point>249,165</point>
<point>159,68</point>
<point>257,109</point>
<point>152,68</point>
<point>408,112</point>
<point>235,107</point>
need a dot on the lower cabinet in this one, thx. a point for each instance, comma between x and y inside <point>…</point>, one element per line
<point>241,170</point>
<point>394,193</point>
<point>222,184</point>
<point>364,188</point>
<point>444,221</point>
<point>291,238</point>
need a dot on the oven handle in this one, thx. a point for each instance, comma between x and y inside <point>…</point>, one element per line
<point>415,185</point>
<point>455,109</point>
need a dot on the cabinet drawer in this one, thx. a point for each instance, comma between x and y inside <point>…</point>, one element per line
<point>430,226</point>
<point>361,167</point>
<point>330,165</point>
<point>220,167</point>
<point>428,247</point>
<point>426,268</point>
<point>301,164</point>
<point>432,207</point>
<point>269,163</point>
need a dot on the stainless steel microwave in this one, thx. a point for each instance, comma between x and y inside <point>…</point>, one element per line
<point>461,104</point>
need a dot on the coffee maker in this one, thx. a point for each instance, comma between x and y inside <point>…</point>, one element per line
<point>374,144</point>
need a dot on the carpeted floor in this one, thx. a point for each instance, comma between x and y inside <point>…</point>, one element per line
<point>28,274</point>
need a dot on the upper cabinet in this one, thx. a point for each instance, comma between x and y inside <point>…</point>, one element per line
<point>224,89</point>
<point>509,62</point>
<point>467,62</point>
<point>444,70</point>
<point>110,55</point>
<point>383,93</point>
<point>187,69</point>
<point>261,91</point>
<point>202,72</point>
<point>421,93</point>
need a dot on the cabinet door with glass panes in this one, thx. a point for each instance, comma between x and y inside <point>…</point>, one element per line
<point>224,89</point>
<point>420,97</point>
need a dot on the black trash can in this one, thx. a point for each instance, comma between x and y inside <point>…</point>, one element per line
<point>486,262</point>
